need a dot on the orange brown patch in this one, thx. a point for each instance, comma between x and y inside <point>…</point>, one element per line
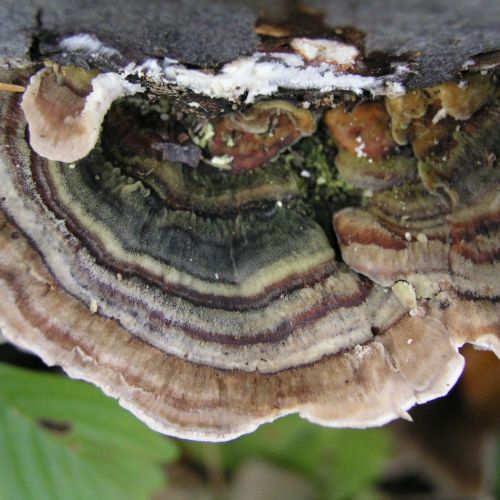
<point>364,131</point>
<point>258,136</point>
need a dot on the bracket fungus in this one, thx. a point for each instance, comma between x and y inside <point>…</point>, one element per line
<point>166,208</point>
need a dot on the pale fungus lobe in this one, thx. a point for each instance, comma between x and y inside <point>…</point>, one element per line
<point>166,207</point>
<point>65,107</point>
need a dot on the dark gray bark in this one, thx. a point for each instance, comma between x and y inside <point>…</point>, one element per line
<point>444,33</point>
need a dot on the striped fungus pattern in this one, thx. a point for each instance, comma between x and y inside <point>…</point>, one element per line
<point>208,297</point>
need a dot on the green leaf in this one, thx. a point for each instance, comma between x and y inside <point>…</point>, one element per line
<point>343,463</point>
<point>64,439</point>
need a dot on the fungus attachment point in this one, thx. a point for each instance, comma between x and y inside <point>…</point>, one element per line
<point>65,108</point>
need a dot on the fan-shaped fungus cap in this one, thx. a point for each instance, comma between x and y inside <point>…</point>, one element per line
<point>208,302</point>
<point>65,108</point>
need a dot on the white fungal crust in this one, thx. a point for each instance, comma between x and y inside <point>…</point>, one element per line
<point>262,74</point>
<point>329,51</point>
<point>87,44</point>
<point>63,125</point>
<point>319,64</point>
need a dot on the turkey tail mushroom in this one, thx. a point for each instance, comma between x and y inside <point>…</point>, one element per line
<point>184,261</point>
